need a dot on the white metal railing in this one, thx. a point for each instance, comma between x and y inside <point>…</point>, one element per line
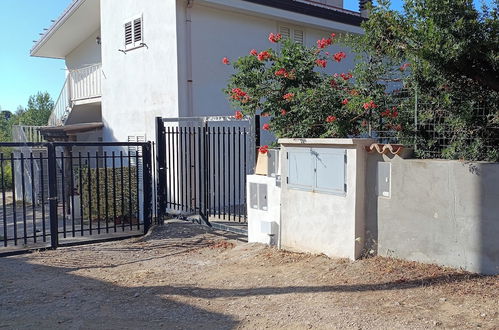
<point>21,133</point>
<point>86,82</point>
<point>81,84</point>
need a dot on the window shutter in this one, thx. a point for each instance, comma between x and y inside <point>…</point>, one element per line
<point>128,34</point>
<point>285,32</point>
<point>133,151</point>
<point>137,31</point>
<point>299,36</point>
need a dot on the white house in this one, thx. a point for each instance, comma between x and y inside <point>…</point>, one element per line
<point>129,61</point>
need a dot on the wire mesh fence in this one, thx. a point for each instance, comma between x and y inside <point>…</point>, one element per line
<point>464,129</point>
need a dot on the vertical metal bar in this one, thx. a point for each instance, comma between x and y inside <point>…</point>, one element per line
<point>234,172</point>
<point>122,190</point>
<point>97,189</point>
<point>33,203</point>
<point>130,213</point>
<point>4,207</point>
<point>239,170</point>
<point>213,185</point>
<point>189,164</point>
<point>161,160</point>
<point>71,166</point>
<point>245,162</point>
<point>89,178</point>
<point>146,161</point>
<point>42,185</point>
<point>177,166</point>
<point>168,186</point>
<point>200,176</point>
<point>80,178</point>
<point>14,206</point>
<point>106,191</point>
<point>23,193</point>
<point>137,186</point>
<point>194,169</point>
<point>228,173</point>
<point>208,176</point>
<point>52,168</point>
<point>257,131</point>
<point>114,191</point>
<point>223,171</point>
<point>63,193</point>
<point>219,164</point>
<point>184,169</point>
<point>205,173</point>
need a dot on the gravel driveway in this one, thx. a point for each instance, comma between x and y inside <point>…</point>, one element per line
<point>186,276</point>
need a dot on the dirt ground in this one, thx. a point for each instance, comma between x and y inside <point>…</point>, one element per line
<point>184,276</point>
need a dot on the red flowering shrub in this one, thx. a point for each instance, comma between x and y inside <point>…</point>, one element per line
<point>263,149</point>
<point>238,115</point>
<point>288,86</point>
<point>225,60</point>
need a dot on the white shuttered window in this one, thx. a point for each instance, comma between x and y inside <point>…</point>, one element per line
<point>295,33</point>
<point>134,32</point>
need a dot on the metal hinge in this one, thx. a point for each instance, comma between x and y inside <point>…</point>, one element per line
<point>345,157</point>
<point>345,187</point>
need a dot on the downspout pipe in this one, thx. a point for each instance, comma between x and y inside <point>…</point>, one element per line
<point>188,49</point>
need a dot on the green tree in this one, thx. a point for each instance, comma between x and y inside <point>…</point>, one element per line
<point>445,53</point>
<point>37,111</point>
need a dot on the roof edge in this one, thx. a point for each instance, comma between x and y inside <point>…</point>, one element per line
<point>68,12</point>
<point>329,13</point>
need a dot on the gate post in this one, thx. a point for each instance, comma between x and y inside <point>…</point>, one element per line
<point>147,166</point>
<point>161,161</point>
<point>52,169</point>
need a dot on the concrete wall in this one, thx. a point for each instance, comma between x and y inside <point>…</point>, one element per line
<point>86,54</point>
<point>320,222</point>
<point>141,84</point>
<point>442,212</point>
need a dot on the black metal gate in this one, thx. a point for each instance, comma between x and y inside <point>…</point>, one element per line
<point>63,193</point>
<point>202,167</point>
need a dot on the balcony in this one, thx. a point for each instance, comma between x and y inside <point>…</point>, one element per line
<point>82,86</point>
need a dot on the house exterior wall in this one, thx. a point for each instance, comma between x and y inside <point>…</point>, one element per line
<point>218,33</point>
<point>142,83</point>
<point>86,54</point>
<point>442,212</point>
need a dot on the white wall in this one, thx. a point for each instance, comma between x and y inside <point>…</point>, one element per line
<point>141,84</point>
<point>86,54</point>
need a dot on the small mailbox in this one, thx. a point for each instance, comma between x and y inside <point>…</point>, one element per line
<point>258,196</point>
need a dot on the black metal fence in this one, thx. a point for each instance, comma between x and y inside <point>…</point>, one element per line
<point>63,193</point>
<point>202,167</point>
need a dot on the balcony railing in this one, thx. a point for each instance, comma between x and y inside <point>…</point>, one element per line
<point>81,84</point>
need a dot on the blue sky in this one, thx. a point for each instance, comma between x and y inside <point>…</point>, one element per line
<point>22,75</point>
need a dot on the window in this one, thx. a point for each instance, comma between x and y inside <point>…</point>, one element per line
<point>296,34</point>
<point>134,36</point>
<point>317,169</point>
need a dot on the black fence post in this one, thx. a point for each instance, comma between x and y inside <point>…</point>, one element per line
<point>52,169</point>
<point>257,131</point>
<point>147,170</point>
<point>161,161</point>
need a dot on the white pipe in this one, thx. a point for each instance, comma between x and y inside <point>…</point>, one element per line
<point>188,48</point>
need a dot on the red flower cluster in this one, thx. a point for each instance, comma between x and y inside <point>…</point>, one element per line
<point>405,66</point>
<point>282,73</point>
<point>321,63</point>
<point>240,95</point>
<point>266,127</point>
<point>393,113</point>
<point>283,112</point>
<point>333,83</point>
<point>344,102</point>
<point>346,76</point>
<point>254,52</point>
<point>323,43</point>
<point>370,105</point>
<point>275,37</point>
<point>339,56</point>
<point>288,96</point>
<point>263,56</point>
<point>225,60</point>
<point>238,115</point>
<point>331,119</point>
<point>263,149</point>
